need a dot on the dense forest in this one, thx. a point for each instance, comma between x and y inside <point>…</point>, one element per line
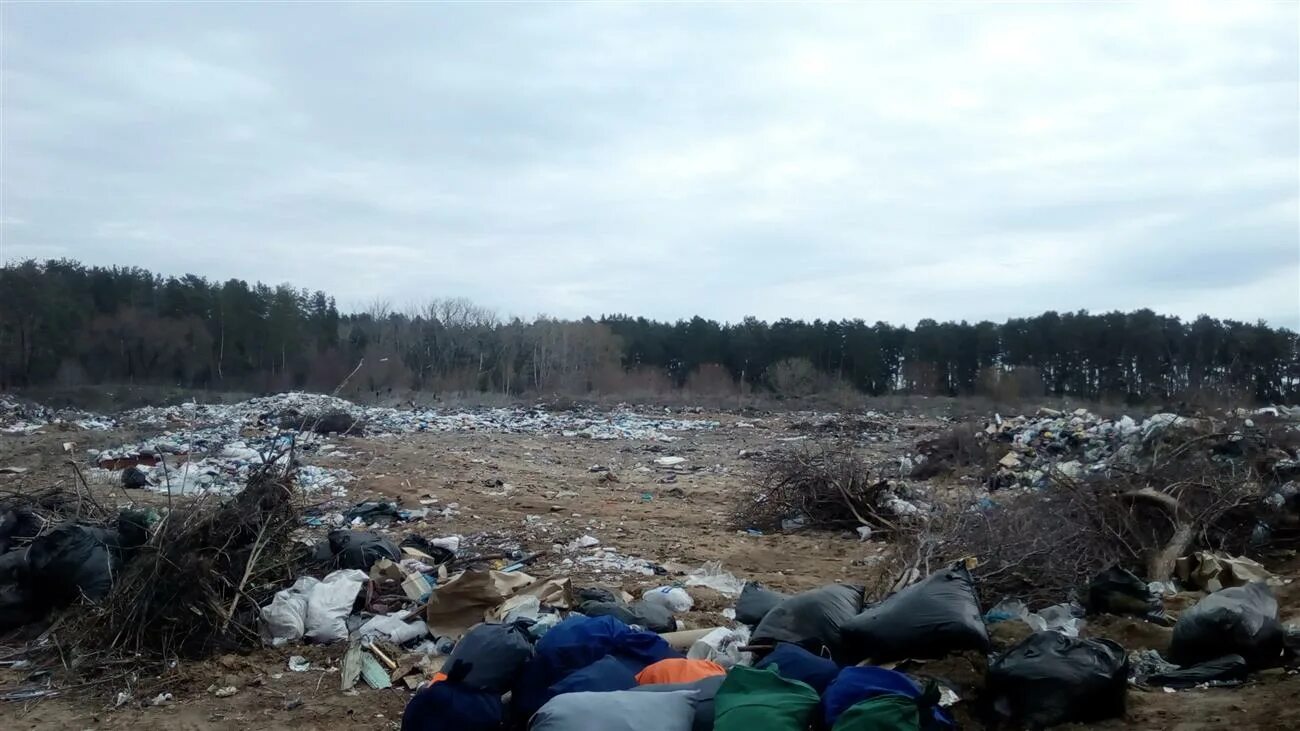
<point>65,323</point>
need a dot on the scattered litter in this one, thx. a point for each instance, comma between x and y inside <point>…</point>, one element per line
<point>582,542</point>
<point>712,576</point>
<point>673,598</point>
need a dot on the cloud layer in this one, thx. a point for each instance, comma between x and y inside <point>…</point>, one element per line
<point>889,161</point>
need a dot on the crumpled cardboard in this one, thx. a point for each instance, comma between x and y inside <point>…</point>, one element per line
<point>468,598</point>
<point>1215,571</point>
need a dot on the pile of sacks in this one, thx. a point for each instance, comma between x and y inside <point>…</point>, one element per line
<point>818,660</point>
<point>599,674</point>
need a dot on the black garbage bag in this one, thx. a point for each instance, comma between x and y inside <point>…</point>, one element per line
<point>596,594</point>
<point>373,511</point>
<point>1119,591</point>
<point>360,549</point>
<point>71,561</point>
<point>929,619</point>
<point>339,422</point>
<point>651,616</point>
<point>18,607</point>
<point>812,619</point>
<point>1049,679</point>
<point>495,655</point>
<point>133,478</point>
<point>1226,670</point>
<point>755,602</point>
<point>17,526</point>
<point>1241,620</point>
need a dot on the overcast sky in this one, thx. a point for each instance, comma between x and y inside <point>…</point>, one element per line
<point>882,161</point>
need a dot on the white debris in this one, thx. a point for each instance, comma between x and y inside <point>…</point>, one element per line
<point>673,598</point>
<point>669,461</point>
<point>581,542</point>
<point>712,576</point>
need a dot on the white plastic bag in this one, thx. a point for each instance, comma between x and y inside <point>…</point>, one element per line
<point>394,628</point>
<point>722,646</point>
<point>284,619</point>
<point>329,604</point>
<point>712,576</point>
<point>673,598</point>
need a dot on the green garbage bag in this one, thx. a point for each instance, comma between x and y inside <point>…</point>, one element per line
<point>752,699</point>
<point>882,713</point>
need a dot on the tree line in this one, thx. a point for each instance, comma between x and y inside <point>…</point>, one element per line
<point>65,323</point>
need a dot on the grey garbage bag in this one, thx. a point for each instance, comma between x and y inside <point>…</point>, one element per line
<point>619,710</point>
<point>812,619</point>
<point>755,602</point>
<point>1241,620</point>
<point>929,619</point>
<point>653,617</point>
<point>1050,678</point>
<point>705,688</point>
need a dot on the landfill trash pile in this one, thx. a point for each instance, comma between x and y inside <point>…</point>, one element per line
<point>221,443</point>
<point>1031,450</point>
<point>1115,491</point>
<point>294,409</point>
<point>489,636</point>
<point>19,417</point>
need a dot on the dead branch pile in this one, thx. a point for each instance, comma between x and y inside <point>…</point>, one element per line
<point>823,485</point>
<point>964,445</point>
<point>194,588</point>
<point>1201,492</point>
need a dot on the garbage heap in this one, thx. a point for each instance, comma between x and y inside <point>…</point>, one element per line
<point>214,447</point>
<point>1030,451</point>
<point>487,650</point>
<point>22,417</point>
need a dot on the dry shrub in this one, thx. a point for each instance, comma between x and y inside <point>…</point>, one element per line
<point>961,446</point>
<point>194,588</point>
<point>828,484</point>
<point>1199,491</point>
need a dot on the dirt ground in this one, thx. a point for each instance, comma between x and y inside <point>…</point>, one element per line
<point>538,492</point>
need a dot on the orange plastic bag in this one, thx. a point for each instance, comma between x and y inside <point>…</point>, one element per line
<point>679,670</point>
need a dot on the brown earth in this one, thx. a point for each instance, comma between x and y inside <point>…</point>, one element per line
<point>535,492</point>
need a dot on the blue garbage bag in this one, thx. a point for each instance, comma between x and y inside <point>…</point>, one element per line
<point>856,684</point>
<point>607,674</point>
<point>574,644</point>
<point>450,705</point>
<point>796,663</point>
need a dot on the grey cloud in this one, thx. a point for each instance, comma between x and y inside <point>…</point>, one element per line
<point>886,161</point>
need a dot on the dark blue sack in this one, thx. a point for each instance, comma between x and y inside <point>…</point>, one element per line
<point>795,663</point>
<point>574,644</point>
<point>604,675</point>
<point>857,684</point>
<point>450,705</point>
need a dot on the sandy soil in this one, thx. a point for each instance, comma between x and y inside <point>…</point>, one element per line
<point>534,492</point>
